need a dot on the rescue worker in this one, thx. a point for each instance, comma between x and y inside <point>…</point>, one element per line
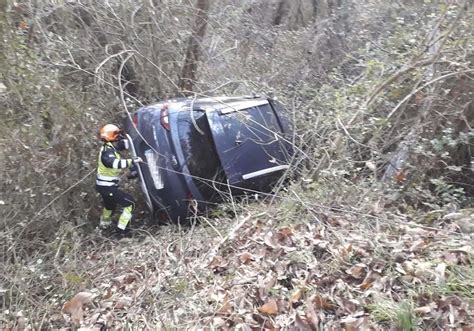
<point>109,167</point>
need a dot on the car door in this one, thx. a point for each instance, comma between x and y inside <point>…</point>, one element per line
<point>249,140</point>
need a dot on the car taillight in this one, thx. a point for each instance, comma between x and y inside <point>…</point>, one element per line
<point>135,120</point>
<point>164,117</point>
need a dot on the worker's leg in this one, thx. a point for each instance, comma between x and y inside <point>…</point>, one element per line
<point>128,204</point>
<point>108,195</point>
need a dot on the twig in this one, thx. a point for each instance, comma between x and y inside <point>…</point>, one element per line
<point>392,78</point>
<point>64,192</point>
<point>231,235</point>
<point>213,227</point>
<point>348,134</point>
<point>424,86</point>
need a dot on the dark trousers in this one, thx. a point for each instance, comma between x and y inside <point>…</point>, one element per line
<point>113,196</point>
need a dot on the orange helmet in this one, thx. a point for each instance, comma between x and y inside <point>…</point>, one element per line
<point>109,132</point>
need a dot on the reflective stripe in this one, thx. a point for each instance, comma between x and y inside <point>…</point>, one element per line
<point>106,214</point>
<point>120,163</point>
<point>105,218</point>
<point>125,218</point>
<point>115,164</point>
<point>109,178</point>
<point>102,183</point>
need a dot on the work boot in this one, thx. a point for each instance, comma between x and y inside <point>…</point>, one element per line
<point>105,219</point>
<point>125,217</point>
<point>121,234</point>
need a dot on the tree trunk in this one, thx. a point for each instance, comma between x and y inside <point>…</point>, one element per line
<point>193,53</point>
<point>280,13</point>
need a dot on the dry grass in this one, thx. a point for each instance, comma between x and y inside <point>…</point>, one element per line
<point>272,269</point>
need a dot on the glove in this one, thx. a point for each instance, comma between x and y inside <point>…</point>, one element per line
<point>133,174</point>
<point>137,160</point>
<point>121,145</point>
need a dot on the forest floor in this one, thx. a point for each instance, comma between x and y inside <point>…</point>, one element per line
<point>262,270</point>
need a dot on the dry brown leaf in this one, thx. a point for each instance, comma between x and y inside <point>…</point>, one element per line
<point>311,316</point>
<point>301,323</point>
<point>418,246</point>
<point>23,25</point>
<point>218,264</point>
<point>74,308</point>
<point>269,308</point>
<point>125,279</point>
<point>369,279</point>
<point>352,323</point>
<point>226,308</point>
<point>270,240</point>
<point>284,234</point>
<point>123,302</point>
<point>423,270</point>
<point>268,282</point>
<point>218,323</point>
<point>245,257</point>
<point>401,176</point>
<point>321,302</point>
<point>285,231</point>
<point>216,261</point>
<point>296,295</point>
<point>108,293</point>
<point>130,278</point>
<point>408,267</point>
<point>345,252</point>
<point>357,271</point>
<point>450,258</point>
<point>407,278</point>
<point>422,310</point>
<point>464,249</point>
<point>426,309</point>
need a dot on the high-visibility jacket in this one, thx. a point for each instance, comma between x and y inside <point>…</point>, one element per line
<point>109,165</point>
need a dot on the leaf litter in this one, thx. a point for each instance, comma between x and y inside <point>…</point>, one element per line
<point>275,275</point>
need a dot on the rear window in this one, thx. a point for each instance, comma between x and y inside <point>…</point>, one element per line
<point>199,152</point>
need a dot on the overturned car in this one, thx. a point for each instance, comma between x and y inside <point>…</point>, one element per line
<point>197,150</point>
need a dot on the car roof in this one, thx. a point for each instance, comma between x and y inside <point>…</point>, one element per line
<point>214,103</point>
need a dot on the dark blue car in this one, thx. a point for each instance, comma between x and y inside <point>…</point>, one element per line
<point>197,150</point>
